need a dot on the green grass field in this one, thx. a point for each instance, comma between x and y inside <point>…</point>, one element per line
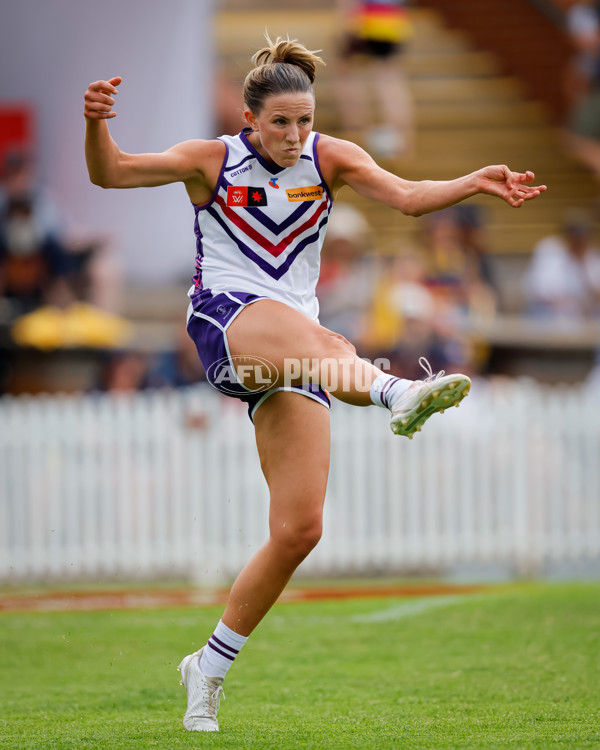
<point>518,667</point>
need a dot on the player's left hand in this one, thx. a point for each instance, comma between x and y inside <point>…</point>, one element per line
<point>511,186</point>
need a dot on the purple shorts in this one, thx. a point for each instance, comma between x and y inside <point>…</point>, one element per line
<point>208,320</point>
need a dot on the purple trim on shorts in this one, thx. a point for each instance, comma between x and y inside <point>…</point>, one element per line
<point>208,333</point>
<point>315,392</point>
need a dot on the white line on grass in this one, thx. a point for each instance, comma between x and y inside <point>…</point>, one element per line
<point>399,611</point>
<point>408,609</point>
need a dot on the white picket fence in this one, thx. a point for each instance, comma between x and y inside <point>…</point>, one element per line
<point>167,483</point>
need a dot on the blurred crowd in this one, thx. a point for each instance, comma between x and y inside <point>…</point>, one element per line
<point>582,83</point>
<point>425,296</point>
<point>58,303</point>
<point>429,297</point>
<point>54,291</point>
<point>422,299</point>
<point>35,267</point>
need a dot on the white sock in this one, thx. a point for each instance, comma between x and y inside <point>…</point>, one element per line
<point>220,651</point>
<point>387,388</point>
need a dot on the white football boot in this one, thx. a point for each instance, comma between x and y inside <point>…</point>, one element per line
<point>203,696</point>
<point>423,398</point>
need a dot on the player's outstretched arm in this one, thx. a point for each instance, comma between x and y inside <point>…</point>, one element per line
<point>513,187</point>
<point>347,164</point>
<point>498,180</point>
<point>110,167</point>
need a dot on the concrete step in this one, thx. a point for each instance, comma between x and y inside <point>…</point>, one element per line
<point>442,91</point>
<point>474,114</point>
<point>501,239</point>
<point>480,115</point>
<point>506,230</point>
<point>447,166</point>
<point>439,64</point>
<point>474,137</point>
<point>244,30</point>
<point>239,33</point>
<point>443,64</point>
<point>454,96</point>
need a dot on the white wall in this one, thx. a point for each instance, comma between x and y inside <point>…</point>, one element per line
<point>50,51</point>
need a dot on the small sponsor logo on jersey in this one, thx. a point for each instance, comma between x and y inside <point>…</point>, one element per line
<point>273,182</point>
<point>246,196</point>
<point>237,172</point>
<point>311,193</point>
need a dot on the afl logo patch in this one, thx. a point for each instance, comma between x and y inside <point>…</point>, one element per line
<point>246,196</point>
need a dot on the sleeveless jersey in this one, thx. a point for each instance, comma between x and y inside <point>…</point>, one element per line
<point>263,229</point>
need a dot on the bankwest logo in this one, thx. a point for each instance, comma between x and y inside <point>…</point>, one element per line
<point>246,196</point>
<point>311,193</point>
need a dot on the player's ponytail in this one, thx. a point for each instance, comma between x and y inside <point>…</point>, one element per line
<point>282,67</point>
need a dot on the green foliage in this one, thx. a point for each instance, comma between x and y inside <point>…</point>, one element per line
<point>515,668</point>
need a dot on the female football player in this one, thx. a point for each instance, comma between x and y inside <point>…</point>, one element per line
<point>261,202</point>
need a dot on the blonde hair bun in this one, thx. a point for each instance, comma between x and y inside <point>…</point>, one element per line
<point>284,66</point>
<point>291,52</point>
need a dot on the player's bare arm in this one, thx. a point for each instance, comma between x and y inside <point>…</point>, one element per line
<point>345,163</point>
<point>195,163</point>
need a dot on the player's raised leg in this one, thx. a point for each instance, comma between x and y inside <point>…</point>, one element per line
<point>300,347</point>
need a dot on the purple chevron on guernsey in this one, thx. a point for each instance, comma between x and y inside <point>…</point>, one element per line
<point>252,233</point>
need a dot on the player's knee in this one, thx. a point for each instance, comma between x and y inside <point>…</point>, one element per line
<point>335,345</point>
<point>309,537</point>
<point>298,539</point>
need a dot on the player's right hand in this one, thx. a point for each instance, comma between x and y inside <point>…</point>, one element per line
<point>99,99</point>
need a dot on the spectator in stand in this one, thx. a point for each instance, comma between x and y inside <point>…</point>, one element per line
<point>19,182</point>
<point>583,27</point>
<point>124,372</point>
<point>371,61</point>
<point>34,266</point>
<point>81,267</point>
<point>471,222</point>
<point>407,321</point>
<point>177,368</point>
<point>458,272</point>
<point>563,277</point>
<point>582,84</point>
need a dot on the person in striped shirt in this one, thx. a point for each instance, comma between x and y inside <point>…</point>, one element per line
<point>261,202</point>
